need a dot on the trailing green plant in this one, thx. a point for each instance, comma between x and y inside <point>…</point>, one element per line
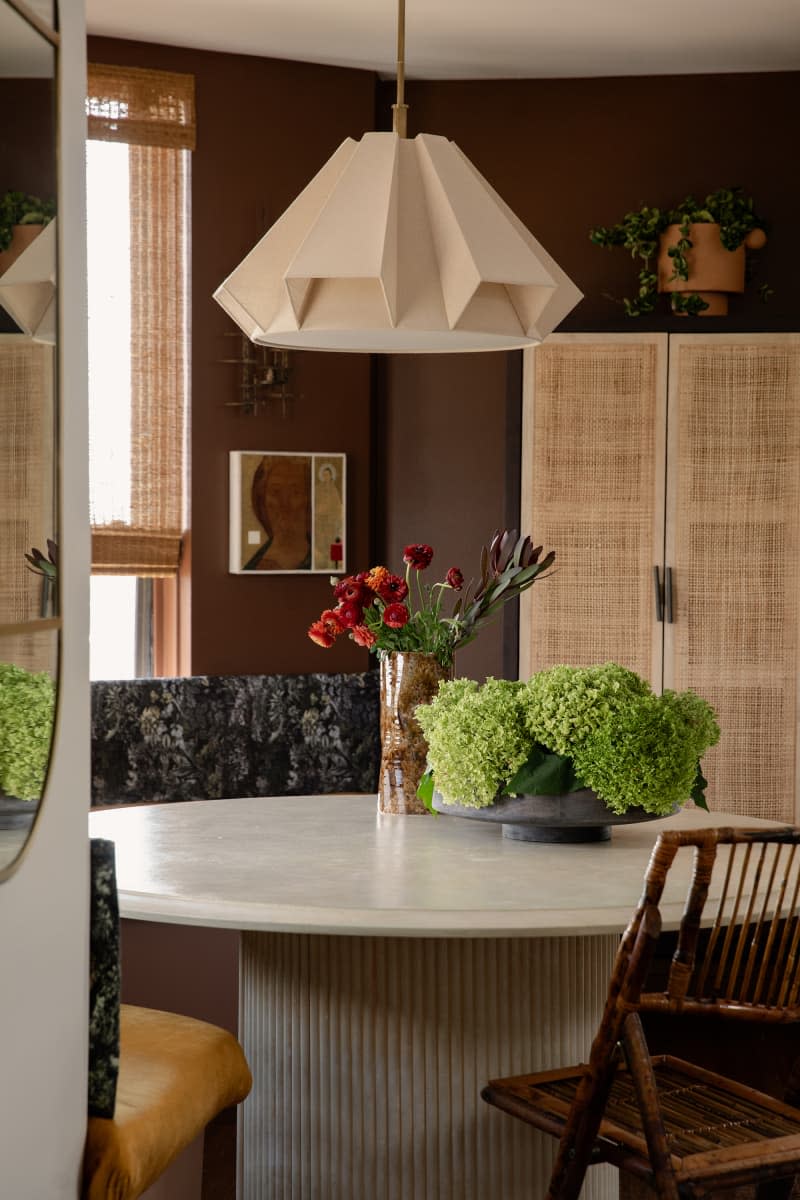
<point>27,702</point>
<point>567,728</point>
<point>639,232</point>
<point>19,208</point>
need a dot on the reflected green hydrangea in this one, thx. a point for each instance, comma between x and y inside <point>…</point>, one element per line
<point>27,701</point>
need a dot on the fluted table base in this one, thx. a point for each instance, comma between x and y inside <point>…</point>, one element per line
<point>369,1055</point>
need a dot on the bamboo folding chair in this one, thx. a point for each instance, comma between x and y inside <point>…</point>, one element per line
<point>685,1130</point>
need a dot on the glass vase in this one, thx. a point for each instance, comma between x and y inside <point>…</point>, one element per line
<point>407,679</point>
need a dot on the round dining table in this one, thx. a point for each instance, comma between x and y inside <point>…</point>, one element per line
<point>389,967</point>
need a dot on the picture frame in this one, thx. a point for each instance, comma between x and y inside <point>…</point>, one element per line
<point>287,512</point>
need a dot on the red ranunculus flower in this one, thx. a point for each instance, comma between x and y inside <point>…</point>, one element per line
<point>387,613</point>
<point>395,616</point>
<point>392,588</point>
<point>349,614</point>
<point>350,588</point>
<point>418,556</point>
<point>319,634</point>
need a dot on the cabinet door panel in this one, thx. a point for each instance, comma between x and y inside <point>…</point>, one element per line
<point>593,490</point>
<point>733,541</point>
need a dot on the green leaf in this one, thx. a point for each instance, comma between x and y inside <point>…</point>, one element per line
<point>425,791</point>
<point>544,774</point>
<point>698,792</point>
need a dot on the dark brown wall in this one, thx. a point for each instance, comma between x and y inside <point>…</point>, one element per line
<point>442,429</point>
<point>264,128</point>
<point>27,137</point>
<point>27,145</point>
<point>565,155</point>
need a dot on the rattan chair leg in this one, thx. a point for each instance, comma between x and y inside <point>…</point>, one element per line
<point>575,1149</point>
<point>644,1082</point>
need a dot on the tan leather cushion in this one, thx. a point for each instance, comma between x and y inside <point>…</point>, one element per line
<point>175,1075</point>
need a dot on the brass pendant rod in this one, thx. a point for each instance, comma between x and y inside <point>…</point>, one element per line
<point>400,108</point>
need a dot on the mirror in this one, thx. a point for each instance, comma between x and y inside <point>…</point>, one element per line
<point>29,613</point>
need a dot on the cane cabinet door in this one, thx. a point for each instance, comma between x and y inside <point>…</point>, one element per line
<point>733,545</point>
<point>665,472</point>
<point>594,416</point>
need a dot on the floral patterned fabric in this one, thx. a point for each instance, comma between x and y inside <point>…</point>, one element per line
<point>104,980</point>
<point>204,737</point>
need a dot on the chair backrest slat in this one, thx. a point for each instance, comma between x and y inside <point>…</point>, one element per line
<point>729,989</point>
<point>793,976</point>
<point>789,935</point>
<point>718,926</point>
<point>753,936</point>
<point>744,956</point>
<point>773,925</point>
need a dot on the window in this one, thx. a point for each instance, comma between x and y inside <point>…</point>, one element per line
<point>141,129</point>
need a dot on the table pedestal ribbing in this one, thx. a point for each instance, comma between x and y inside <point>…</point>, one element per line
<point>370,1054</point>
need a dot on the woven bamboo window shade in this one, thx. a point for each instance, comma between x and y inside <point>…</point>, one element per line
<point>152,111</point>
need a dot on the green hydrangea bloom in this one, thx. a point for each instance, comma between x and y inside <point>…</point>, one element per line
<point>646,755</point>
<point>566,705</point>
<point>633,748</point>
<point>26,721</point>
<point>476,738</point>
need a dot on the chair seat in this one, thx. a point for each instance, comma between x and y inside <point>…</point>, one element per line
<point>716,1128</point>
<point>176,1074</point>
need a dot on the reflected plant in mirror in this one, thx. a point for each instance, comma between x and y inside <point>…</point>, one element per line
<point>29,622</point>
<point>27,701</point>
<point>47,569</point>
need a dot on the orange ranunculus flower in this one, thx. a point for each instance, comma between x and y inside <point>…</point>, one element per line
<point>375,577</point>
<point>319,634</point>
<point>395,616</point>
<point>330,620</point>
<point>363,636</point>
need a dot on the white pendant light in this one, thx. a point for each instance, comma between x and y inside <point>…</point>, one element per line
<point>28,287</point>
<point>398,245</point>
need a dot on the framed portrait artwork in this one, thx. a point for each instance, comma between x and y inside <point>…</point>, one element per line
<point>287,512</point>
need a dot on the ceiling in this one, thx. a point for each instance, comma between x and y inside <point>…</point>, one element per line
<point>478,39</point>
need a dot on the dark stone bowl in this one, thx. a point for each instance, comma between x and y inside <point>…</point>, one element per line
<point>16,814</point>
<point>574,817</point>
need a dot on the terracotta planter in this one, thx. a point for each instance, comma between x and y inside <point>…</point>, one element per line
<point>713,271</point>
<point>407,679</point>
<point>21,238</point>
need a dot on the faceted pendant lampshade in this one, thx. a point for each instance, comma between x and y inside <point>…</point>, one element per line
<point>398,246</point>
<point>27,288</point>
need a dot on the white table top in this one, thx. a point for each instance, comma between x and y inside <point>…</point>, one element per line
<point>332,864</point>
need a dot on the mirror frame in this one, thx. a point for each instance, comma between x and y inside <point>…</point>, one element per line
<point>49,33</point>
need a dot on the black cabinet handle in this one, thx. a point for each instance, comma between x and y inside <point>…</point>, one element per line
<point>659,595</point>
<point>668,593</point>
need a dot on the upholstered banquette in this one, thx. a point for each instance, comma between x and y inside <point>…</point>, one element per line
<point>204,737</point>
